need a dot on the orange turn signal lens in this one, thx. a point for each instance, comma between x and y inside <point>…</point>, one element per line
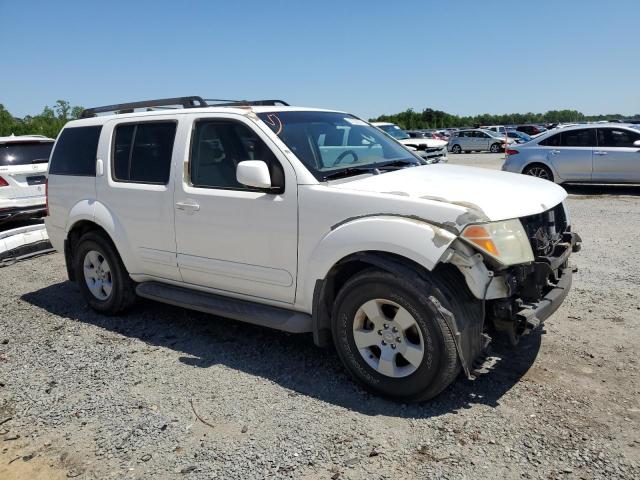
<point>480,236</point>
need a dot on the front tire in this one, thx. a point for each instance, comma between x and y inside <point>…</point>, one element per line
<point>392,337</point>
<point>102,277</point>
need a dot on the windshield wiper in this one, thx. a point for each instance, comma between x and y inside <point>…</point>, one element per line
<point>399,163</point>
<point>351,171</point>
<point>40,160</point>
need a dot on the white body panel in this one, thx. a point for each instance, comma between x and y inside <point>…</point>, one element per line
<point>237,240</point>
<point>142,213</point>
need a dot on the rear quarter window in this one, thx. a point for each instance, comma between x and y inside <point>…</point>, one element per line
<point>75,152</point>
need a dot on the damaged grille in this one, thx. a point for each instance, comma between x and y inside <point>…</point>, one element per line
<point>545,229</point>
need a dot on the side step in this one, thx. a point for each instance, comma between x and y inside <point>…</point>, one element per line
<point>258,314</point>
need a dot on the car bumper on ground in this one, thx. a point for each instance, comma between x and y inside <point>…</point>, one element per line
<point>15,213</point>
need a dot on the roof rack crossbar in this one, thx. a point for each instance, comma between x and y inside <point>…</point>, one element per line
<point>185,102</point>
<point>254,103</point>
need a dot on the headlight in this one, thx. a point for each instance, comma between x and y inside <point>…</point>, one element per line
<point>505,241</point>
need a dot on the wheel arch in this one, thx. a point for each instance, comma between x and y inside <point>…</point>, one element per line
<point>101,220</point>
<point>326,289</point>
<point>538,162</point>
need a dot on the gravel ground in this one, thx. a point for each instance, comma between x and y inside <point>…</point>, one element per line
<point>168,393</point>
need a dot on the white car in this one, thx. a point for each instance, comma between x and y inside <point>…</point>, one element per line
<point>23,168</point>
<point>308,220</point>
<point>428,148</point>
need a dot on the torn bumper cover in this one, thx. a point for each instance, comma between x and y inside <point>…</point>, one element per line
<point>536,290</point>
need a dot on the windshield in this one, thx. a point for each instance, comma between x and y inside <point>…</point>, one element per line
<point>328,142</point>
<point>395,131</point>
<point>24,153</point>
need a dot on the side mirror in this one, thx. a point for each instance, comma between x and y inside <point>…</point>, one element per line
<point>636,143</point>
<point>253,173</point>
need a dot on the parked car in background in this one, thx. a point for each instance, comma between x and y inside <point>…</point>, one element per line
<point>424,134</point>
<point>431,149</point>
<point>602,153</point>
<point>477,140</point>
<point>23,170</point>
<point>495,128</point>
<point>531,129</point>
<point>519,137</point>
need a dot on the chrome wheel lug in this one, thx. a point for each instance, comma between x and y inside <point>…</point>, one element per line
<point>398,339</point>
<point>384,343</point>
<point>386,325</point>
<point>379,332</point>
<point>394,330</point>
<point>393,345</point>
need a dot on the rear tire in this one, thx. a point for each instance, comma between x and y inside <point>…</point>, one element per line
<point>102,277</point>
<point>392,337</point>
<point>456,149</point>
<point>495,148</point>
<point>540,171</point>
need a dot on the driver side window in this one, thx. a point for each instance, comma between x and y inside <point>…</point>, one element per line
<point>217,148</point>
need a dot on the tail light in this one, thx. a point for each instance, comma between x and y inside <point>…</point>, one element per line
<point>46,197</point>
<point>511,151</point>
<point>3,182</point>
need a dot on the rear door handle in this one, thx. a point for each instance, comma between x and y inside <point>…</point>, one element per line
<point>599,152</point>
<point>188,207</point>
<point>554,152</point>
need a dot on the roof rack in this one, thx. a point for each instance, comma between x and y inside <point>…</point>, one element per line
<point>184,102</point>
<point>250,103</point>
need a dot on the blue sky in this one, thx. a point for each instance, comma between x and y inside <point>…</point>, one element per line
<point>367,57</point>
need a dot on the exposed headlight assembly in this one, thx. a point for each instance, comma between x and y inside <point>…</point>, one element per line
<point>504,241</point>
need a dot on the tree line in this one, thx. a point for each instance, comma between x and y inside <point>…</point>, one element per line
<point>48,123</point>
<point>52,119</point>
<point>429,118</point>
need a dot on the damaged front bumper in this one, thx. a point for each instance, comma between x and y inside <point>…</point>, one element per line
<point>535,290</point>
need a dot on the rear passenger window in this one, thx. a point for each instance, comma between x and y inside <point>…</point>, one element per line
<point>142,152</point>
<point>75,152</point>
<point>217,148</point>
<point>552,141</point>
<point>579,138</point>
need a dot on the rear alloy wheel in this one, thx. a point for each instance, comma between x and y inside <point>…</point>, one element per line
<point>97,275</point>
<point>101,275</point>
<point>539,171</point>
<point>392,337</point>
<point>495,148</point>
<point>456,149</point>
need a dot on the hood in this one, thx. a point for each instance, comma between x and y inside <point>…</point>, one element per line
<point>429,142</point>
<point>495,195</point>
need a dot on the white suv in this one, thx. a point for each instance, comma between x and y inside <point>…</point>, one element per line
<point>308,220</point>
<point>23,168</point>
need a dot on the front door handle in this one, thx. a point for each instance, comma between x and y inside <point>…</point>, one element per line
<point>599,152</point>
<point>554,152</point>
<point>188,207</point>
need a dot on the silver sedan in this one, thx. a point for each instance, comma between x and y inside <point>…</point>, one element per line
<point>601,153</point>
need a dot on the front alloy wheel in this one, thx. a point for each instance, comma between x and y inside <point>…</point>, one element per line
<point>388,338</point>
<point>391,334</point>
